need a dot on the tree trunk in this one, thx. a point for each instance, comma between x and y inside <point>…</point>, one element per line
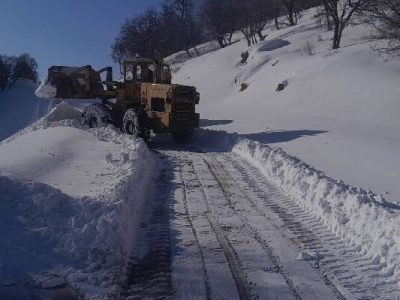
<point>248,37</point>
<point>290,17</point>
<point>337,36</point>
<point>254,39</point>
<point>277,23</point>
<point>221,42</point>
<point>230,38</point>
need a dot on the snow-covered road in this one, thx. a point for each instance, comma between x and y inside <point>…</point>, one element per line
<point>223,218</point>
<point>233,235</point>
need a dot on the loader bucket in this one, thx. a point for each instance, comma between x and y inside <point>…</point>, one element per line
<point>75,82</point>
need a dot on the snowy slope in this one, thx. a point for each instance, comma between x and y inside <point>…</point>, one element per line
<point>339,111</point>
<point>19,107</point>
<point>70,203</point>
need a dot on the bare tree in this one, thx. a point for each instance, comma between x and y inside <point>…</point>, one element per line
<point>323,18</point>
<point>386,17</point>
<point>220,20</point>
<point>180,14</point>
<point>341,12</point>
<point>253,16</point>
<point>290,9</point>
<point>140,35</point>
<point>6,64</point>
<point>263,12</point>
<point>13,68</point>
<point>25,67</point>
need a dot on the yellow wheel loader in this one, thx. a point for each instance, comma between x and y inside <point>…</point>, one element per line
<point>145,101</point>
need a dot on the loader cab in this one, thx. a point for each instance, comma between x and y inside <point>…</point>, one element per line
<point>146,70</point>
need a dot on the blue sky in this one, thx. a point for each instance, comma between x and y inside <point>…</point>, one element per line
<point>65,32</point>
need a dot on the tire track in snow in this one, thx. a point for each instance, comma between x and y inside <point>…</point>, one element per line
<point>221,282</point>
<point>231,256</point>
<point>299,289</point>
<point>232,215</point>
<point>342,265</point>
<point>149,272</point>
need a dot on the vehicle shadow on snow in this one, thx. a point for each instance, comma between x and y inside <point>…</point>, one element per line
<point>271,137</point>
<point>207,122</point>
<point>273,45</point>
<point>206,140</point>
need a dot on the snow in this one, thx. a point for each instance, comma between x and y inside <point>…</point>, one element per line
<point>71,201</point>
<point>362,218</point>
<point>46,90</point>
<point>338,112</point>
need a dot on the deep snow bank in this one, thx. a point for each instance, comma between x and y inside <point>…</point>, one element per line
<point>19,107</point>
<point>71,202</point>
<point>362,218</point>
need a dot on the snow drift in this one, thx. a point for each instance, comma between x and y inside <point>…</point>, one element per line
<point>362,218</point>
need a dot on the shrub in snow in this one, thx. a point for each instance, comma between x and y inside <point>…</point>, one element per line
<point>244,86</point>
<point>282,86</point>
<point>245,56</point>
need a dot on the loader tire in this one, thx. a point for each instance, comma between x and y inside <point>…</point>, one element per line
<point>182,136</point>
<point>135,123</point>
<point>96,115</point>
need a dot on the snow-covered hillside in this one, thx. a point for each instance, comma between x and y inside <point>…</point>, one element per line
<point>19,107</point>
<point>339,111</point>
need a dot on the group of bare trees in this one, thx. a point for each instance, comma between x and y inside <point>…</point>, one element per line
<point>386,19</point>
<point>21,67</point>
<point>159,32</point>
<point>181,25</point>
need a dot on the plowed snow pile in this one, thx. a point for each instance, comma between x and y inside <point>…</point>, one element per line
<point>70,203</point>
<point>365,220</point>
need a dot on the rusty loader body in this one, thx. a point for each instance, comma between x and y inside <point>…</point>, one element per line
<point>144,102</point>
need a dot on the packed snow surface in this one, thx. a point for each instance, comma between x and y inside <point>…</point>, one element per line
<point>338,112</point>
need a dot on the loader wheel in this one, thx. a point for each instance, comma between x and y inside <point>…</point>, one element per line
<point>183,136</point>
<point>96,115</point>
<point>134,123</point>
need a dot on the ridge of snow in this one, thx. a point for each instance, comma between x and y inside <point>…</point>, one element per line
<point>361,217</point>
